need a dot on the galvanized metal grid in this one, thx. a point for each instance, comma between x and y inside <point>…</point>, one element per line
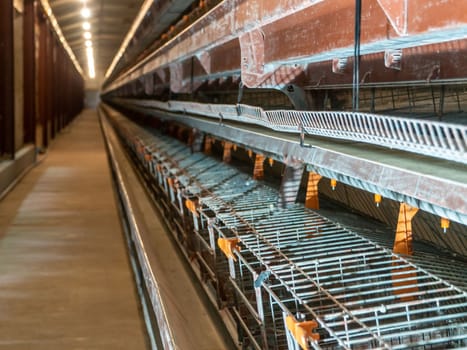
<point>360,293</point>
<point>435,139</point>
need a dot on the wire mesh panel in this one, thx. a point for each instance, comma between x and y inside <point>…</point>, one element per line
<point>435,139</point>
<point>292,278</point>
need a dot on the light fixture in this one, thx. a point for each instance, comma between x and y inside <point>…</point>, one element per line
<point>86,25</point>
<point>87,35</point>
<point>90,56</point>
<point>88,43</point>
<point>85,12</point>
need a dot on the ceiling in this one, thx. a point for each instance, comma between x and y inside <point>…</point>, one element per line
<point>110,21</point>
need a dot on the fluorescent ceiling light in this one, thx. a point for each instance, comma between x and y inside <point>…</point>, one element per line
<point>85,12</point>
<point>91,68</point>
<point>86,25</point>
<point>87,35</point>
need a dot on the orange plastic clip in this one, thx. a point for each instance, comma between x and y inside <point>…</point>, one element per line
<point>301,331</point>
<point>192,205</point>
<point>170,181</point>
<point>228,246</point>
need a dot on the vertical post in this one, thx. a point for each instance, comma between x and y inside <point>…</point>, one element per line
<point>434,100</point>
<point>442,94</point>
<point>290,183</point>
<point>258,171</point>
<point>373,104</point>
<point>227,155</point>
<point>260,308</point>
<point>49,82</point>
<point>7,113</point>
<point>404,277</point>
<point>459,109</point>
<point>312,200</point>
<point>403,240</point>
<point>356,57</point>
<point>208,145</point>
<point>54,93</point>
<point>29,67</point>
<point>42,78</point>
<point>195,140</point>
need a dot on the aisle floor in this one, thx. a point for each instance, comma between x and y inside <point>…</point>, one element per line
<point>65,279</point>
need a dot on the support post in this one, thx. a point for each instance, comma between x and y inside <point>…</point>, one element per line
<point>208,145</point>
<point>403,239</point>
<point>258,171</point>
<point>312,200</point>
<point>7,113</point>
<point>227,155</point>
<point>196,140</point>
<point>290,184</point>
<point>29,66</point>
<point>403,275</point>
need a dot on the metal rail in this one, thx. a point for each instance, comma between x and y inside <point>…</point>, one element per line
<point>435,139</point>
<point>165,334</point>
<point>360,293</point>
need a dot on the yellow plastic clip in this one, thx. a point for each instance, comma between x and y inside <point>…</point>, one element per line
<point>444,224</point>
<point>377,199</point>
<point>302,331</point>
<point>228,246</point>
<point>333,184</point>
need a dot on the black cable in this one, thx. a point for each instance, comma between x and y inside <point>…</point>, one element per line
<point>356,57</point>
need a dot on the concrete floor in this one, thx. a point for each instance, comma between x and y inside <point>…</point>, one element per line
<point>65,281</point>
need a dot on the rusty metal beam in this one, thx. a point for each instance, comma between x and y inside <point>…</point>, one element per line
<point>274,52</point>
<point>7,113</point>
<point>396,12</point>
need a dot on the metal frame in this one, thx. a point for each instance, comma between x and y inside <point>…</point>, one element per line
<point>435,139</point>
<point>295,262</point>
<point>442,196</point>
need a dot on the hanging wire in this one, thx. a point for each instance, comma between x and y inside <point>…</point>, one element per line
<point>356,57</point>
